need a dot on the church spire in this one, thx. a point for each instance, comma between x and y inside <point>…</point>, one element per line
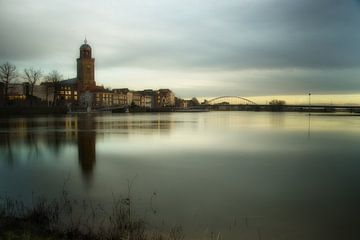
<point>85,41</point>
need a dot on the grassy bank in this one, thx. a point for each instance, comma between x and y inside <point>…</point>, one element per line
<point>63,218</point>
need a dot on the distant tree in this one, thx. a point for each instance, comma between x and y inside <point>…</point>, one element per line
<point>276,102</point>
<point>8,75</point>
<point>53,79</point>
<point>277,105</point>
<point>32,76</point>
<point>223,103</point>
<point>195,101</point>
<point>205,102</point>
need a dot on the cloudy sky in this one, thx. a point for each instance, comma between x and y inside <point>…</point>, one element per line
<point>195,47</point>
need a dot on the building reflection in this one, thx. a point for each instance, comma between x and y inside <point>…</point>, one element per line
<point>24,139</point>
<point>86,142</point>
<point>30,139</point>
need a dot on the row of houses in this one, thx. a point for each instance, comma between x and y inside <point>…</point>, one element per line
<point>102,97</point>
<point>124,97</point>
<point>67,93</point>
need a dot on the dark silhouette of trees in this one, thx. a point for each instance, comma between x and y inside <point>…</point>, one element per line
<point>276,102</point>
<point>54,78</point>
<point>193,102</point>
<point>277,105</point>
<point>32,76</point>
<point>8,75</point>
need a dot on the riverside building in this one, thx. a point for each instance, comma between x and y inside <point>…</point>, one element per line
<point>82,91</point>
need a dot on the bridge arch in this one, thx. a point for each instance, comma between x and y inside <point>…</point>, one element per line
<point>230,100</point>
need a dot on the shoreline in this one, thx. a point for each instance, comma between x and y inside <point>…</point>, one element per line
<point>31,110</point>
<point>53,219</point>
<point>61,110</point>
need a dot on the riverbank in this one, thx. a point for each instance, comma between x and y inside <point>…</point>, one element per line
<point>44,110</point>
<point>31,110</point>
<point>60,218</point>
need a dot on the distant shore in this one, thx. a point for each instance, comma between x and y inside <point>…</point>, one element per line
<point>49,110</point>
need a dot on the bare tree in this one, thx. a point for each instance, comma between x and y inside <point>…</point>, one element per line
<point>32,76</point>
<point>7,75</point>
<point>54,78</point>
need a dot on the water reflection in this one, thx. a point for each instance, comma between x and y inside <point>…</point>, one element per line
<point>309,126</point>
<point>47,138</point>
<point>5,145</point>
<point>210,170</point>
<point>86,142</point>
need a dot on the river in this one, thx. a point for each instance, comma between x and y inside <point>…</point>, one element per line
<point>238,175</point>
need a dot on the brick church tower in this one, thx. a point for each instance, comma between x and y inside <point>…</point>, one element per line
<point>86,69</point>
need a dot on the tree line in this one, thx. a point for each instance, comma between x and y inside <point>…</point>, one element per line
<point>10,75</point>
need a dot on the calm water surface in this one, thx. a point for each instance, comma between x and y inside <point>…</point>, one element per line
<point>244,175</point>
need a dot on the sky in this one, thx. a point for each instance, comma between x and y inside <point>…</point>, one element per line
<point>203,48</point>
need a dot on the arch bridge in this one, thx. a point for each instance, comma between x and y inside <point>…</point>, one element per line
<point>230,100</point>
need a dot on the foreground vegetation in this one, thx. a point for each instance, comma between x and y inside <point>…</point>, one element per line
<point>63,218</point>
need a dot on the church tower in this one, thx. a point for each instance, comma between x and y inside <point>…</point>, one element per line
<point>86,69</point>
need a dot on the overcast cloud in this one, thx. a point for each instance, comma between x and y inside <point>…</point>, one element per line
<point>195,47</point>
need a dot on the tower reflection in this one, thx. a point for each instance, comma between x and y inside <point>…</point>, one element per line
<point>34,140</point>
<point>86,145</point>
